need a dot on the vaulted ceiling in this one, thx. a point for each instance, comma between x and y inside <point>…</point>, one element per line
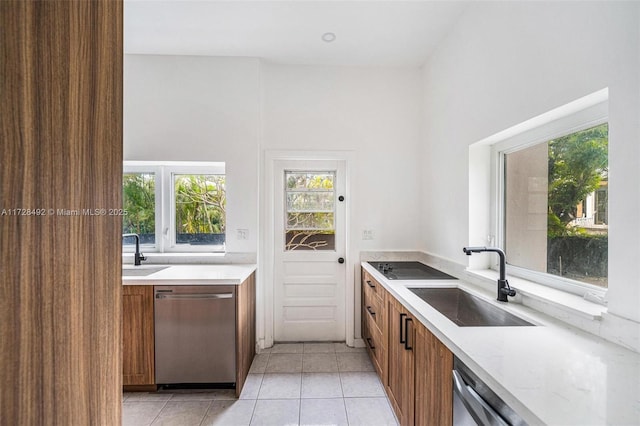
<point>372,33</point>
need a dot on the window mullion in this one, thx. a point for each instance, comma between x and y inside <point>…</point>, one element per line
<point>158,213</point>
<point>167,202</point>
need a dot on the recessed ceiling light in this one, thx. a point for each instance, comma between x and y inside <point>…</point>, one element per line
<point>328,37</point>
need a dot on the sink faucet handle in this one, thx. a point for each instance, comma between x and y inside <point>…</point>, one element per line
<point>507,289</point>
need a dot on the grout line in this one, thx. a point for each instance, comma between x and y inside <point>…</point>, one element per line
<point>346,412</point>
<point>206,412</point>
<point>159,412</point>
<point>253,412</point>
<point>300,400</point>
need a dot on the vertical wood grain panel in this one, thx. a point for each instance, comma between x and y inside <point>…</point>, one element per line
<point>433,380</point>
<point>400,382</point>
<point>60,148</point>
<point>138,353</point>
<point>245,330</point>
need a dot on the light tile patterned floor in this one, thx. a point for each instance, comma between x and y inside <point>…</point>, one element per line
<point>289,384</point>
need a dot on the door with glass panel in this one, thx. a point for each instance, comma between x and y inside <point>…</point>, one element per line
<point>309,269</point>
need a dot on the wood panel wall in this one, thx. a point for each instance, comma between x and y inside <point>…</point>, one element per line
<point>245,330</point>
<point>60,149</point>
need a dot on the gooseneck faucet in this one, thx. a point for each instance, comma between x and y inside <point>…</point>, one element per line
<point>138,257</point>
<point>503,285</point>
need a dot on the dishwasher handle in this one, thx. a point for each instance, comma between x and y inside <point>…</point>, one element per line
<point>481,412</point>
<point>194,296</point>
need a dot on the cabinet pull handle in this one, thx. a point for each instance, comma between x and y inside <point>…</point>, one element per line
<point>373,314</point>
<point>406,335</point>
<point>373,348</point>
<point>402,332</point>
<point>370,284</point>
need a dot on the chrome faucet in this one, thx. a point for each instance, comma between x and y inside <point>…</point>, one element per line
<point>503,285</point>
<point>138,257</point>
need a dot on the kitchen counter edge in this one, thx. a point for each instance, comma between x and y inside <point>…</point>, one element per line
<point>228,274</point>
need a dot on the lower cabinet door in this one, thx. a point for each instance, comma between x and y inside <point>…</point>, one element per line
<point>400,384</point>
<point>433,380</point>
<point>137,335</point>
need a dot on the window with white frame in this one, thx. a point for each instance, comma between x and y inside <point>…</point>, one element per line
<point>175,206</point>
<point>551,198</point>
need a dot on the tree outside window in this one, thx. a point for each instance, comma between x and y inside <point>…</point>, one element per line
<point>556,216</point>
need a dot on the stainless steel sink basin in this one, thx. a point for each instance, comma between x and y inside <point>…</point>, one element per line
<point>141,271</point>
<point>467,310</point>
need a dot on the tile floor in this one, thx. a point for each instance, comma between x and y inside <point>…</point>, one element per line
<point>289,384</point>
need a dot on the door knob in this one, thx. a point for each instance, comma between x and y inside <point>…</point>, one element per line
<point>341,260</point>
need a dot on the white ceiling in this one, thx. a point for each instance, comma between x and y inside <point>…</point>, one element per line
<point>384,33</point>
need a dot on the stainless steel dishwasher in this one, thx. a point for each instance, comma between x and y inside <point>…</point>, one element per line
<point>474,403</point>
<point>195,335</point>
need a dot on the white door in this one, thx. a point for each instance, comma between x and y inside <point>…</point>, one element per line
<point>309,265</point>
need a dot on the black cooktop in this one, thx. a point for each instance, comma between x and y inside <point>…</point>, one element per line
<point>410,271</point>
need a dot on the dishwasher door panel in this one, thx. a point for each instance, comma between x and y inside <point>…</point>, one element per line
<point>195,334</point>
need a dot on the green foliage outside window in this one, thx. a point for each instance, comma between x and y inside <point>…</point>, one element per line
<point>578,163</point>
<point>139,203</point>
<point>200,204</point>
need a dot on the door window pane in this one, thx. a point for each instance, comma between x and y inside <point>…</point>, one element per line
<point>200,202</point>
<point>309,211</point>
<point>139,201</point>
<point>302,201</point>
<point>556,213</point>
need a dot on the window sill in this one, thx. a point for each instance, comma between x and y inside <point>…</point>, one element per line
<point>191,258</point>
<point>556,303</point>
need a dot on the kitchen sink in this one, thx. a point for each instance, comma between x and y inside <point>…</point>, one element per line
<point>408,270</point>
<point>141,271</point>
<point>467,310</point>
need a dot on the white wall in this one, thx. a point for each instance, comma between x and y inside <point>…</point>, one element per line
<point>373,112</point>
<point>506,62</point>
<point>212,109</point>
<point>188,108</point>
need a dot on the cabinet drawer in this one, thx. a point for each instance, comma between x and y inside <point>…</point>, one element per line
<point>374,342</point>
<point>373,308</point>
<point>371,286</point>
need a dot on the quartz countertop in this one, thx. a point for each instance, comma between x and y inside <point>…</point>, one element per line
<point>549,374</point>
<point>188,274</point>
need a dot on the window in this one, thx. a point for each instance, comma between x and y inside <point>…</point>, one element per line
<point>199,209</point>
<point>175,206</point>
<point>552,216</point>
<point>139,199</point>
<point>309,211</point>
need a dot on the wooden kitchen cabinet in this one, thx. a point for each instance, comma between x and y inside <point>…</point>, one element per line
<point>137,336</point>
<point>245,329</point>
<point>433,380</point>
<point>414,365</point>
<point>401,347</point>
<point>374,323</point>
<point>138,361</point>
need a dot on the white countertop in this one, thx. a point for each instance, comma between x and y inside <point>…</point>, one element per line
<point>190,274</point>
<point>549,374</point>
